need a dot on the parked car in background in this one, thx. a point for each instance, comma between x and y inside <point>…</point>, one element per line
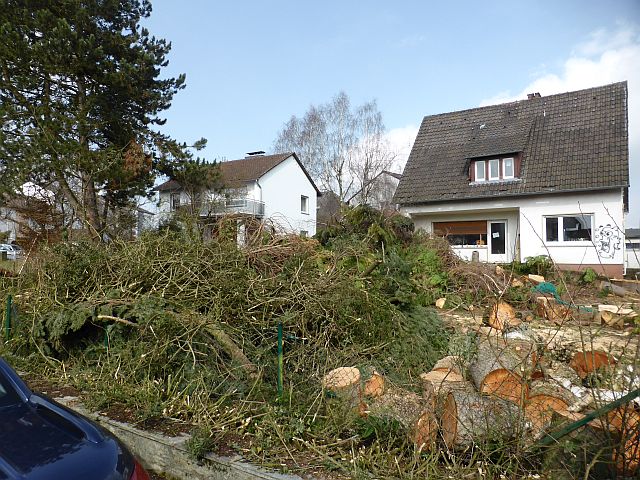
<point>41,439</point>
<point>13,251</point>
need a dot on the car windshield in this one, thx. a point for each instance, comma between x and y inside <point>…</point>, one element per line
<point>8,396</point>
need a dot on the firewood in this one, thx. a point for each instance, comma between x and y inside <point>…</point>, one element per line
<point>452,363</point>
<point>414,412</point>
<point>626,422</point>
<point>549,308</point>
<point>587,362</point>
<point>502,315</point>
<point>374,386</point>
<point>437,383</point>
<point>344,382</point>
<point>544,400</point>
<point>615,289</point>
<point>469,417</point>
<point>498,371</point>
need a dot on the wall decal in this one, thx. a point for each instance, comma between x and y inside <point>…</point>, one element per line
<point>608,240</point>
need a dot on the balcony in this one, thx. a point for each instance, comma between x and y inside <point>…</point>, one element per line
<point>245,206</point>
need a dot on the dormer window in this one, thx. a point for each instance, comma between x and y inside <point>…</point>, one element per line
<point>494,169</point>
<point>480,171</point>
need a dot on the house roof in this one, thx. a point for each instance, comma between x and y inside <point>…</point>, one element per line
<point>237,173</point>
<point>568,142</point>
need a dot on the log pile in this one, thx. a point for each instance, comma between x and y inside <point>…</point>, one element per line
<point>507,389</point>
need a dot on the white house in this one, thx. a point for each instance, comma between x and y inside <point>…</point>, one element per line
<point>378,192</point>
<point>542,176</point>
<point>267,187</point>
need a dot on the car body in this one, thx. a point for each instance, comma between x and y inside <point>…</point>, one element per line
<point>41,439</point>
<point>13,251</point>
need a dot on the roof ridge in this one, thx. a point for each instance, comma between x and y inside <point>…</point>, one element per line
<point>525,100</point>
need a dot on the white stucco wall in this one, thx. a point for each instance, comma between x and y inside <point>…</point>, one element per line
<point>526,218</point>
<point>281,189</point>
<point>8,224</point>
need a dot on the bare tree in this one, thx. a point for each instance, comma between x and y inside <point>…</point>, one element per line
<point>341,148</point>
<point>373,153</point>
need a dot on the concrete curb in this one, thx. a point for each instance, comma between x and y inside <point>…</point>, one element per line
<point>169,456</point>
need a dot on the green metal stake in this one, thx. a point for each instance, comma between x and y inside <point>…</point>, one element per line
<point>280,362</point>
<point>555,436</point>
<point>7,318</point>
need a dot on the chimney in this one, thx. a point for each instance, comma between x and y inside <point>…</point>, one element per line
<point>257,153</point>
<point>533,95</point>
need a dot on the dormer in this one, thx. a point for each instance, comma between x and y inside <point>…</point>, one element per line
<point>499,168</point>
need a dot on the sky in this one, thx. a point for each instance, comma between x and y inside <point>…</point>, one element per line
<point>250,65</point>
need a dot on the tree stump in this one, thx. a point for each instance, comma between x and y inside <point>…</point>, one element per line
<point>469,417</point>
<point>498,371</point>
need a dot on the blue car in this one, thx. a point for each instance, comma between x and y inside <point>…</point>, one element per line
<point>42,440</point>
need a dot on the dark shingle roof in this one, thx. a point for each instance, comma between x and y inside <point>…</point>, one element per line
<point>571,141</point>
<point>237,173</point>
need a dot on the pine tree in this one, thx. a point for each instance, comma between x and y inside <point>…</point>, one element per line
<point>80,95</point>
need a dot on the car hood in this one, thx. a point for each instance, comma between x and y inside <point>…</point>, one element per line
<point>37,442</point>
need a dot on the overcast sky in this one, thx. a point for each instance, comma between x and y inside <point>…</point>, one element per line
<point>251,65</point>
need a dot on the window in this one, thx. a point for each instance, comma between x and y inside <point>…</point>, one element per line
<point>507,168</point>
<point>174,201</point>
<point>471,233</point>
<point>304,204</point>
<point>480,166</point>
<point>494,169</point>
<point>569,228</point>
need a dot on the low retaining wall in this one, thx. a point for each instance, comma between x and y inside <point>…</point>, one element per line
<point>168,455</point>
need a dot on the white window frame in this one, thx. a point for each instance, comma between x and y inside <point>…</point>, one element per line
<point>494,161</point>
<point>504,168</point>
<point>304,204</point>
<point>561,239</point>
<point>484,171</point>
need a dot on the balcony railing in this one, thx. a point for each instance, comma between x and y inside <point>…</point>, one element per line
<point>245,206</point>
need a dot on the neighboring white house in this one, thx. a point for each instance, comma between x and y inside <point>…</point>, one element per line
<point>632,249</point>
<point>274,187</point>
<point>542,176</point>
<point>378,192</point>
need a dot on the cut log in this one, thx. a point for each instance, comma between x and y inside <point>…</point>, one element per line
<point>626,421</point>
<point>498,371</point>
<point>614,316</point>
<point>374,386</point>
<point>344,382</point>
<point>549,308</point>
<point>612,320</point>
<point>413,412</point>
<point>544,400</point>
<point>437,382</point>
<point>502,316</point>
<point>587,362</point>
<point>615,289</point>
<point>470,417</point>
<point>452,363</point>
